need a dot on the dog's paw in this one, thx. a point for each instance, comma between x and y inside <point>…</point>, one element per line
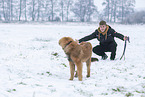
<point>76,75</point>
<point>88,76</point>
<point>80,79</point>
<point>70,79</point>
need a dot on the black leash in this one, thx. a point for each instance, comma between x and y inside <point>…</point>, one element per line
<point>127,39</point>
<point>67,44</point>
<point>68,55</point>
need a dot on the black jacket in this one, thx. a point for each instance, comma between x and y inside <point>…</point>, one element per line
<point>111,33</point>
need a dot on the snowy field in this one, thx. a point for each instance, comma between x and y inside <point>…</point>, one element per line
<point>32,64</point>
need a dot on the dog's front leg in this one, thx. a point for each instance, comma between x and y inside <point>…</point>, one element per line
<point>88,63</point>
<point>79,70</point>
<point>72,69</point>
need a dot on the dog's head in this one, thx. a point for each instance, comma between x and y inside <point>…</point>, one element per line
<point>64,41</point>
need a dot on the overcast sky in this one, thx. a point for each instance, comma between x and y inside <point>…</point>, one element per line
<point>140,4</point>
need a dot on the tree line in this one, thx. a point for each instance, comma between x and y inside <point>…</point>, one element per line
<point>118,10</point>
<point>65,10</point>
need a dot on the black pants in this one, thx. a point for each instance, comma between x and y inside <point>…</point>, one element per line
<point>101,49</point>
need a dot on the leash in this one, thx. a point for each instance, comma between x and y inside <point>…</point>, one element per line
<point>67,44</point>
<point>127,39</point>
<point>68,55</point>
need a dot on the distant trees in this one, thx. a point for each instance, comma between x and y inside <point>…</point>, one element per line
<point>65,9</point>
<point>117,9</point>
<point>69,10</point>
<point>83,9</point>
<point>46,10</point>
<point>6,9</point>
<point>68,4</point>
<point>137,17</point>
<point>22,9</point>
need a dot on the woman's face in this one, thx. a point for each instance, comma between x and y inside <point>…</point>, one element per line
<point>102,28</point>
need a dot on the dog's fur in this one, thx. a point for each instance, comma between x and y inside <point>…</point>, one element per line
<point>77,54</point>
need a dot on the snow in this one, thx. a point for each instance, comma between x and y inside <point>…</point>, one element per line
<point>32,64</point>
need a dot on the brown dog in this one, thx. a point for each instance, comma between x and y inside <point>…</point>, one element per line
<point>76,55</point>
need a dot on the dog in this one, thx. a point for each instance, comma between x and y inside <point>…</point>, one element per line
<point>77,54</point>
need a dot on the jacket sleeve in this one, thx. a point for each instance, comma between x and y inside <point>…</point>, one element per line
<point>89,37</point>
<point>116,34</point>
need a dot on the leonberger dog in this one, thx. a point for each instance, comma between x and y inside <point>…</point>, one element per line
<point>77,54</point>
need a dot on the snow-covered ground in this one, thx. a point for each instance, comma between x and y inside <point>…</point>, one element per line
<point>32,64</point>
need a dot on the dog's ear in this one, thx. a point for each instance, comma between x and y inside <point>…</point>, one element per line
<point>66,38</point>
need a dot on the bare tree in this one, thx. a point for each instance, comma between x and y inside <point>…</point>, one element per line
<point>127,8</point>
<point>20,12</point>
<point>39,8</point>
<point>69,2</point>
<point>22,9</point>
<point>83,9</point>
<point>6,10</point>
<point>33,10</point>
<point>137,17</point>
<point>115,10</point>
<point>0,10</point>
<point>62,9</point>
<point>118,9</point>
<point>91,8</point>
<point>25,5</point>
<point>11,10</point>
<point>52,10</point>
<point>107,9</point>
<point>47,11</point>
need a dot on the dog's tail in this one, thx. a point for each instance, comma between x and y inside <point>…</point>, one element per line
<point>94,59</point>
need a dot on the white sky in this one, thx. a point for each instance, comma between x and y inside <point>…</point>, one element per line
<point>140,4</point>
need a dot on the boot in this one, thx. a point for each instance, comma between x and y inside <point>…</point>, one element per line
<point>112,56</point>
<point>104,57</point>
